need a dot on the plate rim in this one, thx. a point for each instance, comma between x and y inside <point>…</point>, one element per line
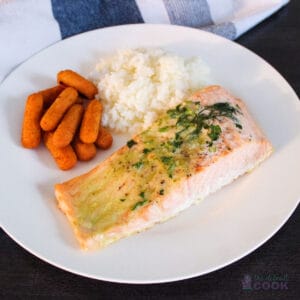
<point>167,280</point>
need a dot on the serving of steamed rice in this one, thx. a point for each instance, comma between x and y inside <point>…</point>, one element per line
<point>135,85</point>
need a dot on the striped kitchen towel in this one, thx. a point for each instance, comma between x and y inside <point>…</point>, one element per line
<point>27,26</point>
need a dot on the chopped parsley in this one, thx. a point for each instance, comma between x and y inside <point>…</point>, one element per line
<point>169,162</point>
<point>138,164</point>
<point>163,129</point>
<point>140,203</point>
<point>122,199</point>
<point>176,142</point>
<point>147,150</point>
<point>131,143</point>
<point>190,122</point>
<point>214,132</point>
<point>161,192</point>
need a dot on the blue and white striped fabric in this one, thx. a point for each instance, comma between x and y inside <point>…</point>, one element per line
<point>27,26</point>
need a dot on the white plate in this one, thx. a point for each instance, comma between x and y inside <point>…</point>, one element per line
<point>225,227</point>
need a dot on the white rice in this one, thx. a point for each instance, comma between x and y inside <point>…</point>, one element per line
<point>135,85</point>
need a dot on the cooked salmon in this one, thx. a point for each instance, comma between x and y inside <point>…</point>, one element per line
<point>191,151</point>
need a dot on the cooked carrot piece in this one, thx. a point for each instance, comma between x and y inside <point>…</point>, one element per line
<point>49,95</point>
<point>31,131</point>
<point>65,131</point>
<point>65,157</point>
<point>73,79</point>
<point>84,151</point>
<point>104,139</point>
<point>91,122</point>
<point>56,111</point>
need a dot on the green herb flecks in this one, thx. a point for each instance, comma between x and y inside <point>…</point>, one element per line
<point>140,203</point>
<point>214,132</point>
<point>191,121</point>
<point>131,143</point>
<point>170,164</point>
<point>138,164</point>
<point>163,129</point>
<point>161,192</point>
<point>147,150</point>
<point>122,199</point>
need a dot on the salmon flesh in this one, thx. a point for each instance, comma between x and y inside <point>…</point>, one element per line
<point>191,151</point>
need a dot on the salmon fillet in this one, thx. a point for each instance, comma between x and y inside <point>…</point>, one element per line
<point>188,153</point>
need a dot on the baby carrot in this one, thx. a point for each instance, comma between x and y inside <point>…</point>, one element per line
<point>84,151</point>
<point>91,122</point>
<point>104,139</point>
<point>65,157</point>
<point>31,131</point>
<point>49,95</point>
<point>73,79</point>
<point>56,111</point>
<point>65,131</point>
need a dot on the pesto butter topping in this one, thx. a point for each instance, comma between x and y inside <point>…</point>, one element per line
<point>165,153</point>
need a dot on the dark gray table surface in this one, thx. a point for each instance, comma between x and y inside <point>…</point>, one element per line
<point>22,275</point>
